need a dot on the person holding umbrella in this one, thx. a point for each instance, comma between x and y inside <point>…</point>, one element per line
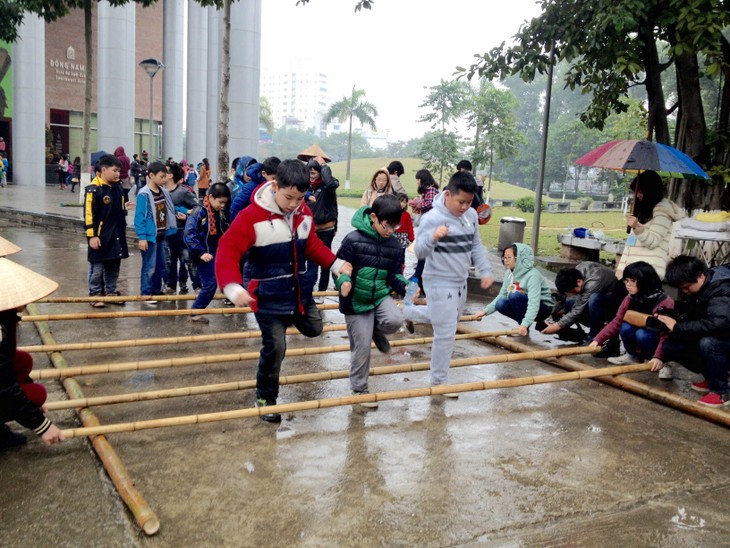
<point>650,221</point>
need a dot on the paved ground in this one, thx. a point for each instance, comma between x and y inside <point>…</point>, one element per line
<point>575,463</point>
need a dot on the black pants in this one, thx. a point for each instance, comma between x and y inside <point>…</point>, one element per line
<point>327,236</point>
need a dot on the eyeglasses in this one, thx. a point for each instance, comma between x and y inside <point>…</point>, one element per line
<point>506,258</point>
<point>388,227</point>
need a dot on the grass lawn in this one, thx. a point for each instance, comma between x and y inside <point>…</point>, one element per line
<point>610,222</point>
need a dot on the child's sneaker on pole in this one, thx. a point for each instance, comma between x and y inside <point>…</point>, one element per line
<point>366,404</point>
<point>624,359</point>
<point>269,417</point>
<point>381,342</point>
<point>665,373</point>
<point>712,399</point>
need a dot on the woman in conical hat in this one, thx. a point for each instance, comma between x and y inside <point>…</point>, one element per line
<point>21,399</point>
<point>313,151</point>
<point>7,248</point>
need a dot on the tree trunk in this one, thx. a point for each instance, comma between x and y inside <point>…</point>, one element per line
<point>658,126</point>
<point>349,150</point>
<point>85,178</point>
<point>223,159</point>
<point>691,131</point>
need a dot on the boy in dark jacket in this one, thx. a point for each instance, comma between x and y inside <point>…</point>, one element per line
<point>105,225</point>
<point>277,232</point>
<point>370,312</point>
<point>698,339</point>
<point>203,230</point>
<point>322,200</point>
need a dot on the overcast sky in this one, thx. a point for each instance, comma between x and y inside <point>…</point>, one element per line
<point>393,51</point>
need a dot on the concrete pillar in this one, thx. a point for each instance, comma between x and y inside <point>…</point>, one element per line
<point>245,77</point>
<point>215,23</point>
<point>195,132</point>
<point>29,103</point>
<point>172,88</point>
<point>115,77</point>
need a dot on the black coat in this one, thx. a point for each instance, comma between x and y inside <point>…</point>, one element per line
<point>324,209</point>
<point>106,217</point>
<point>707,312</point>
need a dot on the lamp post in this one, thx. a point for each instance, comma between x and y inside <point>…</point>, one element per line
<point>151,67</point>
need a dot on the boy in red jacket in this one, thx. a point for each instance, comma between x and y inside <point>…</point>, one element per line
<point>277,233</point>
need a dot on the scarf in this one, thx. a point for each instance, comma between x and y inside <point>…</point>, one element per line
<point>212,228</point>
<point>646,303</point>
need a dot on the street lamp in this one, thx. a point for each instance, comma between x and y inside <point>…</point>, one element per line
<point>151,67</point>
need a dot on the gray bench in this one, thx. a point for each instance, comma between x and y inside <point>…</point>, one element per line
<point>558,206</point>
<point>611,205</point>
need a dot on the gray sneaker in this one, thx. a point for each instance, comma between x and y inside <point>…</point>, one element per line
<point>665,373</point>
<point>366,404</point>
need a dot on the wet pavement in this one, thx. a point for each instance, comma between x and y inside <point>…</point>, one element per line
<point>576,463</point>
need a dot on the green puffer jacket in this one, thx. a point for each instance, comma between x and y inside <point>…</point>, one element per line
<point>376,265</point>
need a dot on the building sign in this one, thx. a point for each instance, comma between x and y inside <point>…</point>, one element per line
<point>68,70</point>
<point>6,80</point>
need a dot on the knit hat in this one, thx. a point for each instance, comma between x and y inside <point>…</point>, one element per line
<point>7,248</point>
<point>312,152</point>
<point>20,286</point>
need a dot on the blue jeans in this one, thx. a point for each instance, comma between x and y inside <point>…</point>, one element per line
<point>206,271</point>
<point>638,341</point>
<point>103,277</point>
<point>273,333</point>
<point>176,253</point>
<point>707,356</point>
<point>601,309</point>
<point>153,268</point>
<point>515,306</point>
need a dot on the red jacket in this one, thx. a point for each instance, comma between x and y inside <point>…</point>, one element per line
<point>278,249</point>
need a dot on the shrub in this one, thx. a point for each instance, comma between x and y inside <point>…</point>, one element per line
<point>527,204</point>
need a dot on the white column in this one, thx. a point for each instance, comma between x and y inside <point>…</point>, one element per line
<point>245,77</point>
<point>195,132</point>
<point>29,103</point>
<point>115,77</point>
<point>215,23</point>
<point>172,88</point>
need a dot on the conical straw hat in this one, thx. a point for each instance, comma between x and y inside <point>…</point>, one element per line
<point>20,286</point>
<point>7,248</point>
<point>312,152</point>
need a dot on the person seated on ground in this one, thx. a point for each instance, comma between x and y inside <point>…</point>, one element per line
<point>591,295</point>
<point>643,340</point>
<point>21,399</point>
<point>698,335</point>
<point>525,295</point>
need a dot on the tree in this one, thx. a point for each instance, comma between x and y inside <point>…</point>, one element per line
<point>438,149</point>
<point>336,145</point>
<point>349,108</point>
<point>491,112</point>
<point>614,45</point>
<point>446,102</point>
<point>287,142</point>
<point>266,118</point>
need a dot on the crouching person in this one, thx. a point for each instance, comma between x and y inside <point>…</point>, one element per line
<point>699,336</point>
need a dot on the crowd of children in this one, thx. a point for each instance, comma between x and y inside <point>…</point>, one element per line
<point>269,258</point>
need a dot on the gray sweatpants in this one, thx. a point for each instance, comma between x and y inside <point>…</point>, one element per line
<point>442,311</point>
<point>385,318</point>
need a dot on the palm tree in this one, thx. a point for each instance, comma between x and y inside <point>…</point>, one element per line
<point>346,108</point>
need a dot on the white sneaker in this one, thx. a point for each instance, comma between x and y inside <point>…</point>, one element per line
<point>624,359</point>
<point>665,373</point>
<point>319,300</point>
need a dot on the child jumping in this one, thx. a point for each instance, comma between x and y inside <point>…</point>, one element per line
<point>203,230</point>
<point>277,232</point>
<point>448,240</point>
<point>370,312</point>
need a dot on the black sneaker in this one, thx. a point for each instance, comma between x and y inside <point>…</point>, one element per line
<point>269,417</point>
<point>609,349</point>
<point>381,342</point>
<point>572,334</point>
<point>227,302</point>
<point>410,327</point>
<point>183,290</point>
<point>8,438</point>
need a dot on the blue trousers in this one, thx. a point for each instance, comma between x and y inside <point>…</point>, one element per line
<point>153,268</point>
<point>707,356</point>
<point>103,277</point>
<point>206,272</point>
<point>515,306</point>
<point>638,341</point>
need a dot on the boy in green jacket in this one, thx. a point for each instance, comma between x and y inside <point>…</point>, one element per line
<point>370,312</point>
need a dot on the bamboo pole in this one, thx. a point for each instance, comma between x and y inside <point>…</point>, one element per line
<point>715,415</point>
<point>207,359</point>
<point>149,313</point>
<point>155,341</point>
<point>292,379</point>
<point>142,512</point>
<point>137,298</point>
<point>349,400</point>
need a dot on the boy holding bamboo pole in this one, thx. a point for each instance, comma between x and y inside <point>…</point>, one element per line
<point>370,312</point>
<point>277,233</point>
